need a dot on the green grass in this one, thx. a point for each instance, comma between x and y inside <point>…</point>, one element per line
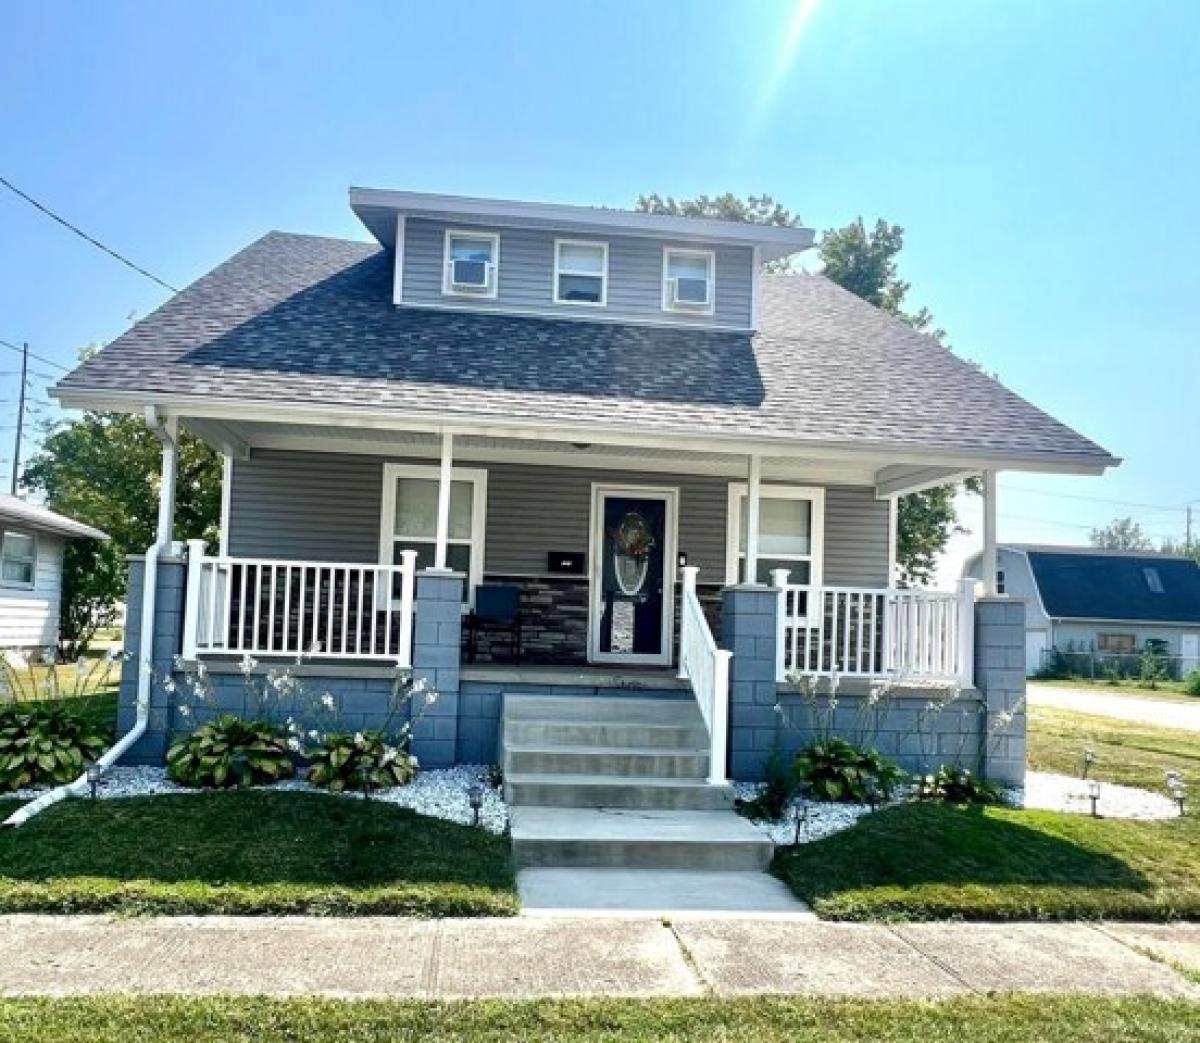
<point>253,852</point>
<point>1128,753</point>
<point>1009,1019</point>
<point>933,861</point>
<point>1167,691</point>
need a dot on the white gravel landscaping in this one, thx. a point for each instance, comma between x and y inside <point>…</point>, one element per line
<point>439,793</point>
<point>1049,792</point>
<point>823,818</point>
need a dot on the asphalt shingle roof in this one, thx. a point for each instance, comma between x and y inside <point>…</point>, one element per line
<point>302,319</point>
<point>1081,584</point>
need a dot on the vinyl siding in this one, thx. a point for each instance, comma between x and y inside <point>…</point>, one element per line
<point>318,506</point>
<point>635,267</point>
<point>29,618</point>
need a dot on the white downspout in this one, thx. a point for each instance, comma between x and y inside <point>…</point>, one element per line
<point>165,430</point>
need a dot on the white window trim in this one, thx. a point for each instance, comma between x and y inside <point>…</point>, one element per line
<point>12,584</point>
<point>710,257</point>
<point>387,517</point>
<point>560,270</point>
<point>814,494</point>
<point>467,233</point>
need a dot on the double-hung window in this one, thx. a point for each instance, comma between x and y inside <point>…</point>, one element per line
<point>18,560</point>
<point>472,264</point>
<point>580,272</point>
<point>409,522</point>
<point>791,529</point>
<point>689,280</point>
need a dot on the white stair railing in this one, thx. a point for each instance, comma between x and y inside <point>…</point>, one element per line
<point>267,607</point>
<point>707,668</point>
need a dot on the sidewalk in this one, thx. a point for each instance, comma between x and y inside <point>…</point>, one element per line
<point>528,957</point>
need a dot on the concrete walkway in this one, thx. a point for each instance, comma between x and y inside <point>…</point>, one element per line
<point>527,957</point>
<point>1162,712</point>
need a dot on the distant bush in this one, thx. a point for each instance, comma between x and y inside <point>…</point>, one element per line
<point>1192,684</point>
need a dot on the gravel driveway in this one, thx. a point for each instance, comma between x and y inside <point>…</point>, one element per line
<point>1113,704</point>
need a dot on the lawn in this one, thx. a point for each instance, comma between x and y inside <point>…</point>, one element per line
<point>1127,752</point>
<point>252,852</point>
<point>1010,1019</point>
<point>934,861</point>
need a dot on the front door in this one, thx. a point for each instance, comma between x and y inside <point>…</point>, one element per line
<point>632,574</point>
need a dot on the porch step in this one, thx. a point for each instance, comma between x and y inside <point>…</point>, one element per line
<point>682,712</point>
<point>606,733</point>
<point>641,839</point>
<point>636,762</point>
<point>588,791</point>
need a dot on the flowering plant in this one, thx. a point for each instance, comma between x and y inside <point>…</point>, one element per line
<point>363,760</point>
<point>231,752</point>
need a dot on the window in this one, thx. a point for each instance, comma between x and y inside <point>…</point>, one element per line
<point>689,280</point>
<point>1153,580</point>
<point>18,560</point>
<point>409,522</point>
<point>472,264</point>
<point>1121,644</point>
<point>1000,583</point>
<point>580,272</point>
<point>791,528</point>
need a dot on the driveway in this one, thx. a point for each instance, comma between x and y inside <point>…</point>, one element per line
<point>1122,707</point>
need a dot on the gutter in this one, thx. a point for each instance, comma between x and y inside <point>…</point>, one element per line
<point>165,430</point>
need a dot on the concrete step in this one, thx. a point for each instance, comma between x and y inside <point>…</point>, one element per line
<point>625,761</point>
<point>637,839</point>
<point>607,734</point>
<point>590,791</point>
<point>682,712</point>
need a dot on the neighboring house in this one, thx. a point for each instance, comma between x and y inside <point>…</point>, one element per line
<point>619,422</point>
<point>32,540</point>
<point>1108,604</point>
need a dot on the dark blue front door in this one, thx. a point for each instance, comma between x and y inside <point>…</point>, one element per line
<point>632,576</point>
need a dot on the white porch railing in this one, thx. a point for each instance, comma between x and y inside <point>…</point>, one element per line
<point>864,632</point>
<point>267,607</point>
<point>707,668</point>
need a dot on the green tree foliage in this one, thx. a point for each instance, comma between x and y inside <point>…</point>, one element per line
<point>1182,549</point>
<point>103,469</point>
<point>758,210</point>
<point>1120,534</point>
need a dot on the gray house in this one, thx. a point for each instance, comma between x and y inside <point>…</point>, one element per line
<point>1102,608</point>
<point>676,477</point>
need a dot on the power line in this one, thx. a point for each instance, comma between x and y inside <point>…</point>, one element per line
<point>1095,499</point>
<point>83,235</point>
<point>41,358</point>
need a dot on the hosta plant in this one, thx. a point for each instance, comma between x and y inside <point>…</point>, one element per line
<point>364,760</point>
<point>837,770</point>
<point>229,752</point>
<point>42,745</point>
<point>955,785</point>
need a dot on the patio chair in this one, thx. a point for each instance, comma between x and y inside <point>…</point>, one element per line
<point>497,607</point>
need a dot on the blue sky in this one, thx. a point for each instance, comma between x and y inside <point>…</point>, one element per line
<point>1041,156</point>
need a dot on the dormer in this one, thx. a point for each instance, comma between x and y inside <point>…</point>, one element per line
<point>572,262</point>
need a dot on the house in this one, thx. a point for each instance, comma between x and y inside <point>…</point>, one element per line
<point>32,540</point>
<point>683,473</point>
<point>1102,608</point>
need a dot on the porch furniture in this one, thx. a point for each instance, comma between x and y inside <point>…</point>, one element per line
<point>497,607</point>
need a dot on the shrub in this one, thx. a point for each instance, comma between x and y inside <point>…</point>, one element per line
<point>774,796</point>
<point>343,761</point>
<point>1192,684</point>
<point>45,744</point>
<point>231,752</point>
<point>954,785</point>
<point>840,771</point>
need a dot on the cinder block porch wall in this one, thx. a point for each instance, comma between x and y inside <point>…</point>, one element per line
<point>1000,678</point>
<point>437,640</point>
<point>168,641</point>
<point>748,630</point>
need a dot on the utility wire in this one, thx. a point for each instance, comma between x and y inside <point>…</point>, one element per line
<point>41,358</point>
<point>1094,499</point>
<point>83,235</point>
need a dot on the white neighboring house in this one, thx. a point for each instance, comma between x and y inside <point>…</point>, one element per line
<point>32,539</point>
<point>1108,604</point>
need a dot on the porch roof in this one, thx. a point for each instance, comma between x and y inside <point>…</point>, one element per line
<point>307,325</point>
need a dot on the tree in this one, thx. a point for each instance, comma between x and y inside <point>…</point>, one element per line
<point>103,469</point>
<point>757,210</point>
<point>1181,549</point>
<point>1120,534</point>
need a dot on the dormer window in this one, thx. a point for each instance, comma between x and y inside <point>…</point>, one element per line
<point>580,272</point>
<point>1153,580</point>
<point>689,280</point>
<point>472,264</point>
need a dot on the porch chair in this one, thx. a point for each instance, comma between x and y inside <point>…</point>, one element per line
<point>498,607</point>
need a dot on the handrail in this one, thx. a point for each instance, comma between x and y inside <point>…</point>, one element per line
<point>707,668</point>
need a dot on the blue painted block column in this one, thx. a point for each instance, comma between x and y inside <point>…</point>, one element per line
<point>749,618</point>
<point>437,645</point>
<point>1000,679</point>
<point>168,641</point>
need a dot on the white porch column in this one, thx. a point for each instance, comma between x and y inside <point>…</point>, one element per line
<point>165,532</point>
<point>752,497</point>
<point>443,513</point>
<point>990,565</point>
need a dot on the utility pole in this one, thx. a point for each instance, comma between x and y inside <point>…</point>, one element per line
<point>20,415</point>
